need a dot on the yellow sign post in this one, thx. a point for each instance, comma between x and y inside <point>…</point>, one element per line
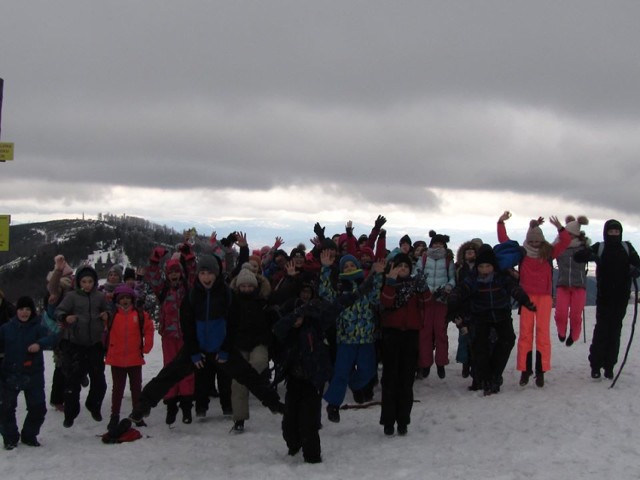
<point>6,151</point>
<point>5,221</point>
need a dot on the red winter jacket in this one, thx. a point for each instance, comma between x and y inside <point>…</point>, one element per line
<point>409,316</point>
<point>124,339</point>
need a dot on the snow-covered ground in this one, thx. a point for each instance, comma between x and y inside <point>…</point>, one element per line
<point>574,427</point>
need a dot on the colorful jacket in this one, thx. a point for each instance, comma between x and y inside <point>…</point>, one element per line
<point>126,348</point>
<point>356,323</point>
<point>536,274</point>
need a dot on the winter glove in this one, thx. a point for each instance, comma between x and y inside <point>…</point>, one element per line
<point>380,221</point>
<point>157,254</point>
<point>229,240</point>
<point>319,231</point>
<point>530,306</point>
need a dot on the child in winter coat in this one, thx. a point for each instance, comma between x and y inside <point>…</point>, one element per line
<point>617,262</point>
<point>250,332</point>
<point>306,365</point>
<point>465,263</point>
<point>170,289</point>
<point>22,340</point>
<point>535,273</point>
<point>355,363</point>
<point>571,286</point>
<point>437,267</point>
<point>403,299</point>
<point>84,315</point>
<point>486,295</point>
<point>130,337</point>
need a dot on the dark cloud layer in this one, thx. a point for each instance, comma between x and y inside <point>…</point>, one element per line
<point>384,101</point>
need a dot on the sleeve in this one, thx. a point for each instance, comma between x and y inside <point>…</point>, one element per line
<point>325,290</point>
<point>563,243</point>
<point>502,233</point>
<point>148,332</point>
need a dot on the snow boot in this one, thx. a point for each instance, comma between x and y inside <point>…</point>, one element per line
<point>172,411</point>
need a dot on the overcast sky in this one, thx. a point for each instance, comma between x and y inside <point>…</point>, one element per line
<point>439,115</point>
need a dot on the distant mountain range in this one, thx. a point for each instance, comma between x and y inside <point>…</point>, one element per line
<point>101,243</point>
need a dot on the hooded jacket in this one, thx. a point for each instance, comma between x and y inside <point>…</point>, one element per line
<point>88,329</point>
<point>15,338</point>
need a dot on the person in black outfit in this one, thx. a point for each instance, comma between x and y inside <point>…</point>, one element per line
<point>617,262</point>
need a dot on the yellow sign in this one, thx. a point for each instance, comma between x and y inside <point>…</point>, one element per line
<point>5,221</point>
<point>6,151</point>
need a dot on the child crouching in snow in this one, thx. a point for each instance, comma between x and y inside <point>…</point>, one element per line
<point>130,336</point>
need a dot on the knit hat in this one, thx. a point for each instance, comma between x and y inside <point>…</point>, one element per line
<point>487,255</point>
<point>117,269</point>
<point>349,258</point>
<point>86,271</point>
<point>208,263</point>
<point>121,290</point>
<point>405,239</point>
<point>420,243</point>
<point>172,266</point>
<point>438,238</point>
<point>246,277</point>
<point>402,258</point>
<point>297,253</point>
<point>535,232</point>
<point>366,251</point>
<point>573,225</point>
<point>363,238</point>
<point>328,244</point>
<point>26,302</point>
<point>129,274</point>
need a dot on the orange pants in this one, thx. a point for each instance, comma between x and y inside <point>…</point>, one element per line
<point>539,321</point>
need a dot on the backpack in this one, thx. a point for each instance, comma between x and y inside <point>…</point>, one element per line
<point>509,254</point>
<point>625,245</point>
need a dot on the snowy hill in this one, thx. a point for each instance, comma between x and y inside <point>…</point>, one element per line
<point>574,427</point>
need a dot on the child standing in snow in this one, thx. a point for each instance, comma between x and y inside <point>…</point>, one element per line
<point>84,314</point>
<point>535,273</point>
<point>486,295</point>
<point>403,299</point>
<point>571,286</point>
<point>130,337</point>
<point>22,340</point>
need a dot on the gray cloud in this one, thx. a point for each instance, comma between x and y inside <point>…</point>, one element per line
<point>383,102</point>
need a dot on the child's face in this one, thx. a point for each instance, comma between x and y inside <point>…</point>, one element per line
<point>535,243</point>
<point>174,276</point>
<point>349,267</point>
<point>246,288</point>
<point>86,284</point>
<point>24,314</point>
<point>417,252</point>
<point>614,232</point>
<point>254,265</point>
<point>404,270</point>
<point>298,261</point>
<point>125,301</point>
<point>113,277</point>
<point>405,247</point>
<point>306,294</point>
<point>437,245</point>
<point>469,255</point>
<point>364,258</point>
<point>485,269</point>
<point>206,278</point>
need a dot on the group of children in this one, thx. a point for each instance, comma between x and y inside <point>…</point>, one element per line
<point>326,318</point>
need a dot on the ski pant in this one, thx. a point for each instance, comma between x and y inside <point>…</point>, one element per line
<point>355,366</point>
<point>119,380</point>
<point>605,344</point>
<point>78,361</point>
<point>538,322</point>
<point>490,359</point>
<point>205,379</point>
<point>186,386</point>
<point>301,420</point>
<point>398,373</point>
<point>235,367</point>
<point>434,335</point>
<point>570,303</point>
<point>258,358</point>
<point>33,388</point>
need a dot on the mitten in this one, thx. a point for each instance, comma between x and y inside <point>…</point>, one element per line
<point>380,221</point>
